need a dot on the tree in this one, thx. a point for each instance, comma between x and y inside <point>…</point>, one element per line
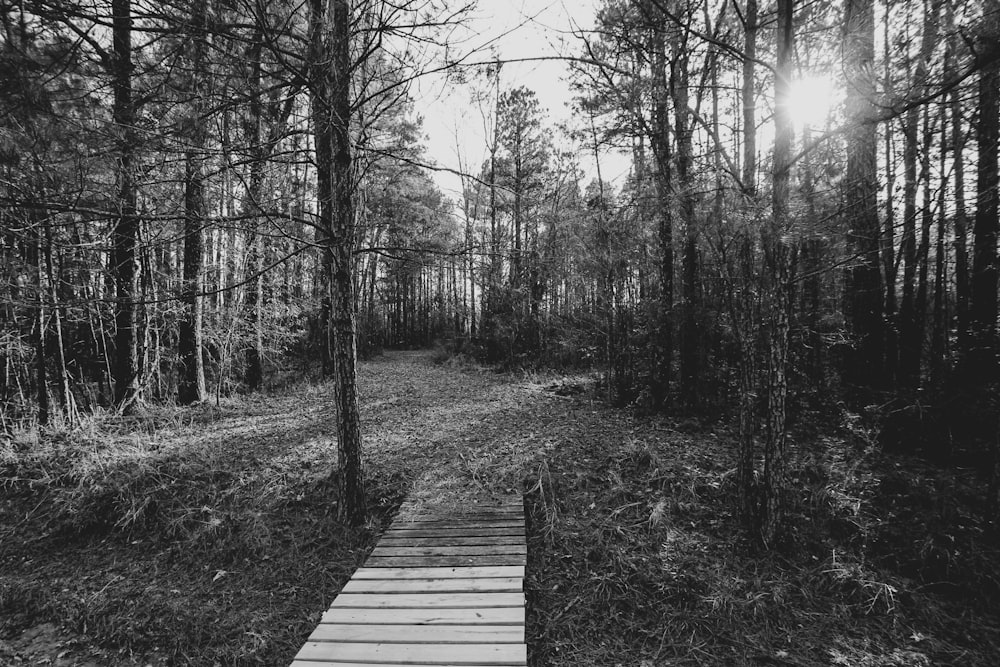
<point>983,308</point>
<point>524,153</point>
<point>124,264</point>
<point>330,80</point>
<point>191,387</point>
<point>777,259</point>
<point>660,143</point>
<point>865,367</point>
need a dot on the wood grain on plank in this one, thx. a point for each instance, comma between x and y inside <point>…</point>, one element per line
<point>428,600</point>
<point>416,654</point>
<point>491,585</point>
<point>430,525</point>
<point>449,540</point>
<point>340,663</point>
<point>439,572</point>
<point>438,550</point>
<point>444,561</point>
<point>456,532</point>
<point>507,512</point>
<point>418,634</point>
<point>468,616</point>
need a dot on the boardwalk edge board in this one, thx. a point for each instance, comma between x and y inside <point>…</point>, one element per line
<point>438,590</point>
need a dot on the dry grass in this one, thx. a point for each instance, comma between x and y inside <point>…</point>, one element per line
<point>206,535</point>
<point>635,558</point>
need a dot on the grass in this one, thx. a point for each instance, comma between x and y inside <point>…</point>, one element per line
<point>207,535</point>
<point>201,536</point>
<point>635,556</point>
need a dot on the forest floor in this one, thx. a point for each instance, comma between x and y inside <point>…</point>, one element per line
<point>206,535</point>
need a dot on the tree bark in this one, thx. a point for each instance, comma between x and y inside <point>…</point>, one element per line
<point>744,306</point>
<point>911,315</point>
<point>43,400</point>
<point>888,241</point>
<point>864,292</point>
<point>191,385</point>
<point>690,336</point>
<point>963,287</point>
<point>254,356</point>
<point>923,250</point>
<point>660,143</point>
<point>749,101</point>
<point>331,80</point>
<point>776,257</point>
<point>983,309</point>
<point>125,238</point>
<point>939,332</point>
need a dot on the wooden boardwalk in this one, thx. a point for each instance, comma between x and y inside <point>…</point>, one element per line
<point>437,590</point>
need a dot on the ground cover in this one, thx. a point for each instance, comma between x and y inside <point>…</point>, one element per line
<point>206,536</point>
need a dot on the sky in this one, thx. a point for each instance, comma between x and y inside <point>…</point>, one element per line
<point>514,29</point>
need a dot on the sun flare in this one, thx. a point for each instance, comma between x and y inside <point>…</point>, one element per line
<point>811,99</point>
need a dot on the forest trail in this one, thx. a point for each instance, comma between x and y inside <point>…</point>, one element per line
<point>145,528</point>
<point>465,437</point>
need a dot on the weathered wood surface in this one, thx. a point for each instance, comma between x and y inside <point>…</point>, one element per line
<point>437,590</point>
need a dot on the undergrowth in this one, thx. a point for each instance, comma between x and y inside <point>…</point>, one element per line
<point>197,550</point>
<point>636,558</point>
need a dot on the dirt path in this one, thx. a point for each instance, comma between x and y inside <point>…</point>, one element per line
<point>466,436</point>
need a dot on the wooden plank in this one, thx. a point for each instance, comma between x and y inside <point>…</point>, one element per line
<point>493,585</point>
<point>434,550</point>
<point>438,590</point>
<point>467,616</point>
<point>339,663</point>
<point>449,540</point>
<point>462,516</point>
<point>428,600</point>
<point>493,516</point>
<point>439,572</point>
<point>417,654</point>
<point>430,525</point>
<point>456,532</point>
<point>444,561</point>
<point>418,634</point>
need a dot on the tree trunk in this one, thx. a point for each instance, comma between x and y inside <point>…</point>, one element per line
<point>963,288</point>
<point>66,397</point>
<point>690,336</point>
<point>911,315</point>
<point>191,385</point>
<point>811,253</point>
<point>254,373</point>
<point>744,307</point>
<point>983,309</point>
<point>125,237</point>
<point>939,333</point>
<point>888,244</point>
<point>660,142</point>
<point>44,412</point>
<point>864,292</point>
<point>330,71</point>
<point>777,259</point>
<point>923,250</point>
<point>749,103</point>
<point>745,314</point>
